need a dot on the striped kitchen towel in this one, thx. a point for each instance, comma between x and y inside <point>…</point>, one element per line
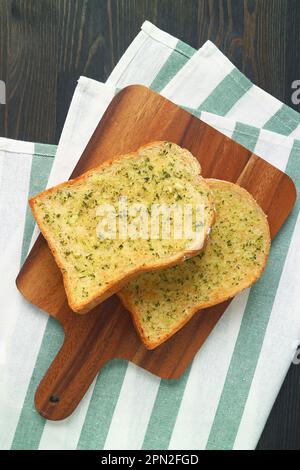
<point>224,398</point>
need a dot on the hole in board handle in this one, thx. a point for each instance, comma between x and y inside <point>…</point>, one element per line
<point>54,399</point>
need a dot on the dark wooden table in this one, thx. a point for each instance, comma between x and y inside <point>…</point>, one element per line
<point>45,45</point>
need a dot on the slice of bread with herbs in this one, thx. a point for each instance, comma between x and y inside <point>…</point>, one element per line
<point>233,259</point>
<point>95,266</point>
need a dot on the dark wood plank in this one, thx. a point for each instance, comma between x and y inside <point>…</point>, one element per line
<point>3,60</point>
<point>107,332</point>
<point>282,428</point>
<point>262,37</point>
<point>47,44</point>
<point>32,50</point>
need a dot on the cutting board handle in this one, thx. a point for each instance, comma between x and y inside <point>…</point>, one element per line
<point>70,374</point>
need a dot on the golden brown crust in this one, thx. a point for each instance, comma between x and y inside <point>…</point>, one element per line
<point>119,283</point>
<point>218,299</point>
<point>109,162</point>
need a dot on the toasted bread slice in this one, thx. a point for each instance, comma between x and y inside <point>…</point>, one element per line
<point>95,266</point>
<point>233,259</point>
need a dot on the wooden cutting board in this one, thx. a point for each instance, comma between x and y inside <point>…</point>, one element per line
<point>135,117</point>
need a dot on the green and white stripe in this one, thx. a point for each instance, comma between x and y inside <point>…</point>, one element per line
<point>223,399</point>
